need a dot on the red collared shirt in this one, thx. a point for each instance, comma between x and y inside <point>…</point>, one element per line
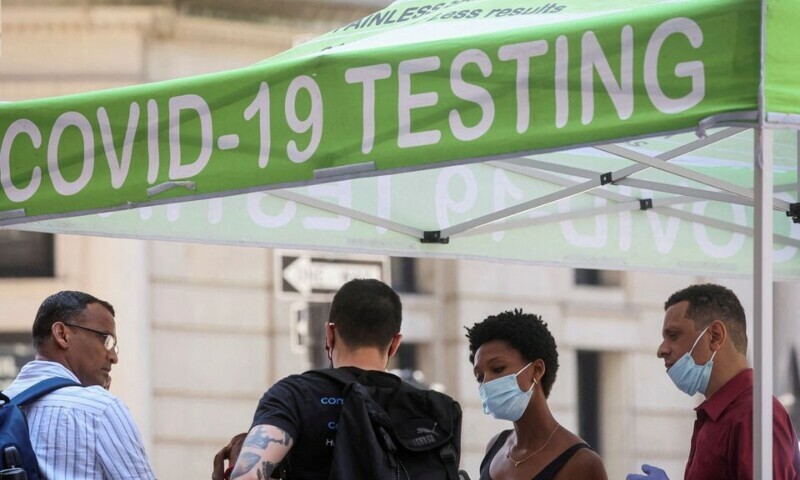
<point>722,443</point>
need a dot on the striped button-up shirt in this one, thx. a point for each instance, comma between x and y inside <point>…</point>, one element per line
<point>80,433</point>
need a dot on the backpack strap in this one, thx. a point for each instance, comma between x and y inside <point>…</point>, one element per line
<point>41,389</point>
<point>450,459</point>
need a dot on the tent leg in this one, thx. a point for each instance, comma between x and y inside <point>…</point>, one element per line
<point>762,322</point>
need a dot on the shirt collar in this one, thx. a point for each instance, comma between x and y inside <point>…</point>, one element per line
<point>741,384</point>
<point>43,368</point>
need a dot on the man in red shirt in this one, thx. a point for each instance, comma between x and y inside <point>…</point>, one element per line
<point>704,350</point>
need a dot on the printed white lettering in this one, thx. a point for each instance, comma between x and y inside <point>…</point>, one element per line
<point>260,106</point>
<point>694,70</point>
<point>313,122</point>
<point>472,93</point>
<point>523,53</point>
<point>502,188</point>
<point>15,129</point>
<point>562,83</point>
<point>596,240</point>
<point>152,142</point>
<point>65,120</point>
<point>593,58</point>
<point>367,76</point>
<point>119,166</point>
<point>343,193</point>
<point>407,101</point>
<point>384,200</point>
<point>214,211</point>
<point>177,170</point>
<point>704,241</point>
<point>257,215</point>
<point>665,238</point>
<point>445,202</point>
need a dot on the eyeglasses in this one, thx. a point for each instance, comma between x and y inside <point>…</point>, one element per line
<point>109,340</point>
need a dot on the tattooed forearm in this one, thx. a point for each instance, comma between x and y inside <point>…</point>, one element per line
<point>263,449</point>
<point>244,464</point>
<point>262,439</point>
<point>266,470</point>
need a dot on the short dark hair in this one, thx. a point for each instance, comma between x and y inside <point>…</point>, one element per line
<point>709,302</point>
<point>65,306</point>
<point>526,333</point>
<point>367,313</point>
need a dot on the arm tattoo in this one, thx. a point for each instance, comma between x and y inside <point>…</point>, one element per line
<point>270,447</point>
<point>262,440</point>
<point>266,470</point>
<point>245,463</point>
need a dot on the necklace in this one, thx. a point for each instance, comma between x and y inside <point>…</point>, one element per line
<point>517,463</point>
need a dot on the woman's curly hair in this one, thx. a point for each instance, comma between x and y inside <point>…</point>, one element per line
<point>526,333</point>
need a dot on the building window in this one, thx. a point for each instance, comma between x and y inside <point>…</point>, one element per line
<point>26,254</point>
<point>413,275</point>
<point>589,397</point>
<point>598,278</point>
<point>404,274</point>
<point>16,350</point>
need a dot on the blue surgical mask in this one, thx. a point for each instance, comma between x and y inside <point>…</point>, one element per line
<point>503,399</point>
<point>688,376</point>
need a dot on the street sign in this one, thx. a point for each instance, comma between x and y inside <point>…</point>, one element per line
<point>307,274</point>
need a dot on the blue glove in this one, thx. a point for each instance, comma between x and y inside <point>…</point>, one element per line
<point>652,473</point>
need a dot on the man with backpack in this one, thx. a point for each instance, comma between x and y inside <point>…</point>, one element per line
<point>352,421</point>
<point>79,430</point>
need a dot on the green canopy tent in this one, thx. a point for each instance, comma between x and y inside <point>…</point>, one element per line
<point>627,135</point>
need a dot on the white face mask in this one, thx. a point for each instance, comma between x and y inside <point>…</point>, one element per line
<point>503,399</point>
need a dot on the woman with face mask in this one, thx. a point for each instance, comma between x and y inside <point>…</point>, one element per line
<point>515,363</point>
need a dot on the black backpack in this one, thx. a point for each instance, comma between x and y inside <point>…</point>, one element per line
<point>17,459</point>
<point>390,430</point>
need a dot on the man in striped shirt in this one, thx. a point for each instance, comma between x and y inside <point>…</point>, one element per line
<point>79,433</point>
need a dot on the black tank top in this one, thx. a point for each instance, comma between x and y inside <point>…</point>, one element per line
<point>547,472</point>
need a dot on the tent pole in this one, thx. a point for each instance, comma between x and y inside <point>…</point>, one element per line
<point>762,322</point>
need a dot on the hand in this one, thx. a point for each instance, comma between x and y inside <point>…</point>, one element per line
<point>229,452</point>
<point>652,473</point>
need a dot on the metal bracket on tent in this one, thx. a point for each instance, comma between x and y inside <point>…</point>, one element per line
<point>20,212</point>
<point>434,236</point>
<point>794,212</point>
<point>645,203</point>
<point>163,187</point>
<point>606,178</point>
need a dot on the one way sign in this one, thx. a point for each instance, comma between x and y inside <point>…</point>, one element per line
<point>305,274</point>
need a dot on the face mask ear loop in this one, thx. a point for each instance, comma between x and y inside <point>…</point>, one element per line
<point>698,339</point>
<point>523,369</point>
<point>532,385</point>
<point>713,354</point>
